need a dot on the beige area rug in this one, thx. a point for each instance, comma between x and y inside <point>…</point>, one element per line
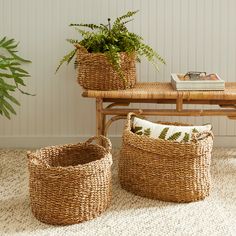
<point>128,214</point>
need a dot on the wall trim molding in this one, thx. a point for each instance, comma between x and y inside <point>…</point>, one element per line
<point>42,141</point>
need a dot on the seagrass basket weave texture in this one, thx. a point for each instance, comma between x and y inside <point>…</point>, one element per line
<point>70,183</point>
<point>165,170</point>
<point>95,72</point>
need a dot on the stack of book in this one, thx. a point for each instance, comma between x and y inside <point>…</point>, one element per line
<point>197,81</point>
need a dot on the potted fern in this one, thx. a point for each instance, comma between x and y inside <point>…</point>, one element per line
<point>106,54</point>
<point>12,76</point>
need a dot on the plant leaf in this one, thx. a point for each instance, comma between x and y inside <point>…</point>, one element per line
<point>67,58</point>
<point>174,136</point>
<point>10,70</point>
<point>111,40</point>
<point>147,132</point>
<point>186,137</point>
<point>137,130</point>
<point>163,133</point>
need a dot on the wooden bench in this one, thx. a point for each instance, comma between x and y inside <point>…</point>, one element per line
<point>160,93</point>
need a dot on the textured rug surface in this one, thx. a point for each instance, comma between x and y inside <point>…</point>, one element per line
<point>128,214</point>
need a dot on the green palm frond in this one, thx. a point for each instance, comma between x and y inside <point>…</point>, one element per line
<point>12,76</point>
<point>10,46</point>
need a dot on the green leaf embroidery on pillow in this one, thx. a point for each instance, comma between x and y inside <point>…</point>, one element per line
<point>195,130</point>
<point>147,132</point>
<point>163,133</point>
<point>186,137</point>
<point>174,136</point>
<point>137,130</point>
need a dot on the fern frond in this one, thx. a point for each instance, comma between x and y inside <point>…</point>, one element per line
<point>186,137</point>
<point>138,59</point>
<point>85,34</point>
<point>112,39</point>
<point>114,57</point>
<point>91,26</point>
<point>104,27</point>
<point>137,130</point>
<point>125,22</point>
<point>174,136</point>
<point>163,133</point>
<point>127,15</point>
<point>72,41</point>
<point>147,132</point>
<point>67,58</point>
<point>195,130</point>
<point>2,41</point>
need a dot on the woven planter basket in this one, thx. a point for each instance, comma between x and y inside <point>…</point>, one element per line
<point>71,183</point>
<point>95,72</point>
<point>166,170</point>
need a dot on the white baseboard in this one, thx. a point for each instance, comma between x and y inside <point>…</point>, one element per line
<point>41,141</point>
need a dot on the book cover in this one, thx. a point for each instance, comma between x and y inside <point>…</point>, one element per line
<point>197,81</point>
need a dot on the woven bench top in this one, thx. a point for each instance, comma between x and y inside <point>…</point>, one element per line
<point>164,91</point>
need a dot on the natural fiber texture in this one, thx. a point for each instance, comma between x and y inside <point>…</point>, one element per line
<point>95,72</point>
<point>165,170</point>
<point>155,90</point>
<point>128,215</point>
<point>71,183</point>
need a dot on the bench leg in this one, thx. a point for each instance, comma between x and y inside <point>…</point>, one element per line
<point>100,117</point>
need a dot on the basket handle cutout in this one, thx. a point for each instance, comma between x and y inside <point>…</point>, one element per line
<point>202,135</point>
<point>129,118</point>
<point>32,157</point>
<point>29,154</point>
<point>106,143</point>
<point>81,49</point>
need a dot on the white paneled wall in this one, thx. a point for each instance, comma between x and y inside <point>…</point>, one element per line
<point>189,34</point>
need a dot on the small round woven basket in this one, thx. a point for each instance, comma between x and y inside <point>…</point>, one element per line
<point>165,170</point>
<point>71,183</point>
<point>95,72</point>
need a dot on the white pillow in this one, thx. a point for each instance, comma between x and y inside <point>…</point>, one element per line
<point>167,132</point>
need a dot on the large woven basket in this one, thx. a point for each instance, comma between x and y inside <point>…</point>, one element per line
<point>96,72</point>
<point>165,170</point>
<point>71,183</point>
